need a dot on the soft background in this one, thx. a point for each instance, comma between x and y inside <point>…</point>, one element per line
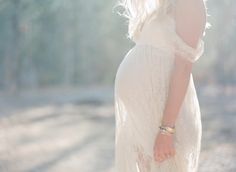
<point>58,61</point>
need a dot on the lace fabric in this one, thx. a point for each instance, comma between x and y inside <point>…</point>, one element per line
<point>141,90</point>
<point>179,46</point>
<point>143,160</point>
<point>184,50</point>
<point>163,7</point>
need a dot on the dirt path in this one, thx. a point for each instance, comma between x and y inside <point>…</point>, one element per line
<point>73,131</point>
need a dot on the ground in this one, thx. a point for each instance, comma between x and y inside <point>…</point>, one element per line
<point>59,130</point>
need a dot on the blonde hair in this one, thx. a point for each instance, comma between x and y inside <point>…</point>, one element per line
<point>137,11</point>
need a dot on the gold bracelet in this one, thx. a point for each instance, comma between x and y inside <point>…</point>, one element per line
<point>164,132</point>
<point>168,129</point>
<point>171,130</point>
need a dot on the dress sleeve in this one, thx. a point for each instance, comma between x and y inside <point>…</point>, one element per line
<point>186,51</point>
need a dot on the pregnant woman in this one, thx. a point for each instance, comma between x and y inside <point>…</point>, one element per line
<point>158,118</point>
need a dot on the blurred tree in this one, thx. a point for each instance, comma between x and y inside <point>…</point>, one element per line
<point>12,46</point>
<point>73,43</point>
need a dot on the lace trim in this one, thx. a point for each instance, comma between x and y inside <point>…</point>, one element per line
<point>186,51</point>
<point>180,47</point>
<point>143,161</point>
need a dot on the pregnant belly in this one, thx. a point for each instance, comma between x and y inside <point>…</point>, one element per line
<point>141,84</point>
<point>133,73</point>
<point>143,70</point>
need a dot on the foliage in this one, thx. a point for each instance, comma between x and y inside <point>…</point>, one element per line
<point>74,42</point>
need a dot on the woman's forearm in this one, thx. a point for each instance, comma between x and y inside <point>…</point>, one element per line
<point>178,87</point>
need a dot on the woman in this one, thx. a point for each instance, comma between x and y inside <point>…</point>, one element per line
<point>158,119</point>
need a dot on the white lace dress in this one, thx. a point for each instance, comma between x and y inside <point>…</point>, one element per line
<point>141,89</point>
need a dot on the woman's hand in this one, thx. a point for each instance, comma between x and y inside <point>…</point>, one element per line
<point>163,147</point>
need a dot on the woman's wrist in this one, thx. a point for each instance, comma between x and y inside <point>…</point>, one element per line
<point>168,119</point>
<point>165,133</point>
<point>167,130</point>
<point>168,124</point>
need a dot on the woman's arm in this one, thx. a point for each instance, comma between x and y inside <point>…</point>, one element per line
<point>190,24</point>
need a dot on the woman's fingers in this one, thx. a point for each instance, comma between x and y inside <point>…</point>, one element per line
<point>172,152</point>
<point>162,154</point>
<point>163,148</point>
<point>167,154</point>
<point>160,159</point>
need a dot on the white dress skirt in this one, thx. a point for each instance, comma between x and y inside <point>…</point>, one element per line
<point>141,89</point>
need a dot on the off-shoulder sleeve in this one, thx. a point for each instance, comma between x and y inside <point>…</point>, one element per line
<point>184,50</point>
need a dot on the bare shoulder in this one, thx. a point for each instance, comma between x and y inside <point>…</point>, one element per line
<point>190,16</point>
